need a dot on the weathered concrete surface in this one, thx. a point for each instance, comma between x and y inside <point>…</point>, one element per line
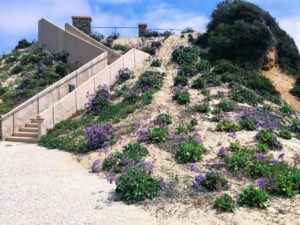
<point>39,186</point>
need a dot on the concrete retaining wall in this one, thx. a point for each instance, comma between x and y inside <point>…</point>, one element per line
<point>111,55</point>
<point>77,99</point>
<point>58,40</point>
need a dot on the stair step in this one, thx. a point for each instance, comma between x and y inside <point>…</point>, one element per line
<point>29,129</point>
<point>21,139</point>
<point>25,134</point>
<point>32,125</point>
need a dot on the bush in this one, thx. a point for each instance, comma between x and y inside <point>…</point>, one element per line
<point>124,75</point>
<point>202,108</point>
<point>156,63</point>
<point>199,83</point>
<point>212,79</point>
<point>188,70</point>
<point>136,185</point>
<point>164,118</point>
<point>182,98</point>
<point>150,51</point>
<point>150,80</point>
<point>187,30</point>
<point>62,69</point>
<point>286,109</point>
<point>212,181</point>
<point>11,59</point>
<point>186,128</point>
<point>99,101</point>
<point>267,107</point>
<point>296,91</point>
<point>17,69</point>
<point>253,197</point>
<point>158,134</point>
<point>295,126</point>
<point>225,203</point>
<point>227,105</point>
<point>189,152</point>
<point>228,126</point>
<point>248,123</point>
<point>180,80</point>
<point>268,137</point>
<point>244,95</point>
<point>286,134</point>
<point>156,44</point>
<point>186,55</point>
<point>23,44</point>
<point>234,146</point>
<point>30,58</point>
<point>136,152</point>
<point>121,48</point>
<point>203,65</point>
<point>114,162</point>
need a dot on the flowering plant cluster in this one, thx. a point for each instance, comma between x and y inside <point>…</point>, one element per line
<point>99,100</point>
<point>211,181</point>
<point>124,75</point>
<point>190,151</point>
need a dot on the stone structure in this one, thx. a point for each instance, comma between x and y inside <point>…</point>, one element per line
<point>83,23</point>
<point>142,29</point>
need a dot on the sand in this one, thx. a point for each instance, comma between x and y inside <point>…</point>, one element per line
<point>180,203</point>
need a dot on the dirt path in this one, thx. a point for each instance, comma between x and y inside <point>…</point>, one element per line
<point>40,186</point>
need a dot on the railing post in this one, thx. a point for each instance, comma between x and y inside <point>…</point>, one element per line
<point>142,29</point>
<point>39,120</point>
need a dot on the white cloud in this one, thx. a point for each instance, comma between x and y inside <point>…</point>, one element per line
<point>292,26</point>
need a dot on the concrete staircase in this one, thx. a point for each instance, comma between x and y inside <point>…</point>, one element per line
<point>28,134</point>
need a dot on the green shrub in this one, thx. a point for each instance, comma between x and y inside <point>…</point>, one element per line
<point>189,152</point>
<point>150,79</point>
<point>248,123</point>
<point>150,51</point>
<point>186,128</point>
<point>216,111</point>
<point>295,126</point>
<point>156,63</point>
<point>268,137</point>
<point>11,59</point>
<point>121,48</point>
<point>225,203</point>
<point>17,69</point>
<point>136,185</point>
<point>23,44</point>
<point>212,79</point>
<point>286,134</point>
<point>188,70</point>
<point>203,65</point>
<point>186,55</point>
<point>244,95</point>
<point>158,134</point>
<point>213,181</point>
<point>227,105</point>
<point>235,146</point>
<point>253,197</point>
<point>114,162</point>
<point>182,98</point>
<point>180,80</point>
<point>219,95</point>
<point>228,126</point>
<point>296,91</point>
<point>164,118</point>
<point>62,69</point>
<point>267,107</point>
<point>30,58</point>
<point>199,83</point>
<point>136,152</point>
<point>286,109</point>
<point>202,108</point>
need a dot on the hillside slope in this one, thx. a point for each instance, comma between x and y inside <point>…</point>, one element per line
<point>179,202</point>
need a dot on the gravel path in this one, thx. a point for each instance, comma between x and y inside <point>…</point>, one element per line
<point>39,186</point>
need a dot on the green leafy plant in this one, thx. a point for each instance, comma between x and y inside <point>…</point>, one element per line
<point>182,98</point>
<point>156,63</point>
<point>244,95</point>
<point>164,118</point>
<point>227,105</point>
<point>202,108</point>
<point>235,146</point>
<point>225,203</point>
<point>189,152</point>
<point>229,126</point>
<point>212,181</point>
<point>17,69</point>
<point>136,185</point>
<point>185,128</point>
<point>199,83</point>
<point>286,134</point>
<point>248,123</point>
<point>149,50</point>
<point>268,137</point>
<point>286,109</point>
<point>181,80</point>
<point>158,134</point>
<point>114,162</point>
<point>253,197</point>
<point>135,151</point>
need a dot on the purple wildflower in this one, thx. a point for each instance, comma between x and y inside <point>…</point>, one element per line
<point>222,152</point>
<point>227,187</point>
<point>110,177</point>
<point>199,179</point>
<point>232,135</point>
<point>199,140</point>
<point>162,183</point>
<point>213,172</point>
<point>96,167</point>
<point>194,168</point>
<point>296,158</point>
<point>261,182</point>
<point>272,181</point>
<point>275,161</point>
<point>240,176</point>
<point>142,135</point>
<point>259,156</point>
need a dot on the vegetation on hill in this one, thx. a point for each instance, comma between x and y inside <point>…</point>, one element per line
<point>27,71</point>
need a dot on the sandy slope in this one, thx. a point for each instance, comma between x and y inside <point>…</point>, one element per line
<point>181,204</point>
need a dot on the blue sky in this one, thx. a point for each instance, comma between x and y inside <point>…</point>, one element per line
<point>19,18</point>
